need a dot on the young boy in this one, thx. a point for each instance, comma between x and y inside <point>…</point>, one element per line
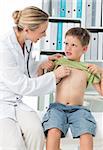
<point>68,110</point>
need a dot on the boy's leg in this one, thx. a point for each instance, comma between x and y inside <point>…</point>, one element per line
<point>83,126</point>
<point>86,142</point>
<point>55,125</point>
<point>53,139</point>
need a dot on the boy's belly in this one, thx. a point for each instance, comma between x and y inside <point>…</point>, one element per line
<point>71,90</point>
<point>69,99</point>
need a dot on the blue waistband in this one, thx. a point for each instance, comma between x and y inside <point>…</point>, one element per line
<point>69,108</point>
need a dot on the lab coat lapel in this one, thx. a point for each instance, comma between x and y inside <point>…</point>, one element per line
<point>17,50</point>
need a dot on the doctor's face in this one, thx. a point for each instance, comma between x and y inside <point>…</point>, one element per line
<point>38,33</point>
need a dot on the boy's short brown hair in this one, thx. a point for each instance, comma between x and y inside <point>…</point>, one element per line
<point>81,33</point>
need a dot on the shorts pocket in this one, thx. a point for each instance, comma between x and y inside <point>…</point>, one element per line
<point>46,117</point>
<point>89,116</point>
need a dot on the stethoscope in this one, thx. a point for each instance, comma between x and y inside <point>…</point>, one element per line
<point>28,51</point>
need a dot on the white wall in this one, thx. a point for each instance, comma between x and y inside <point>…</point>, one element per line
<point>8,6</point>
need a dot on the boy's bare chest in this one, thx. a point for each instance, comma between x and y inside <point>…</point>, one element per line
<point>76,78</point>
<point>76,74</point>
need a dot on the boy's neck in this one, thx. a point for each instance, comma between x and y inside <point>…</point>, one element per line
<point>73,59</point>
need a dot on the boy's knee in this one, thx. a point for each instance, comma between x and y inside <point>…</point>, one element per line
<point>86,136</point>
<point>54,131</point>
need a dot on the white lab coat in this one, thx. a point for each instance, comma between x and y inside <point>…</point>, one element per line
<point>14,82</point>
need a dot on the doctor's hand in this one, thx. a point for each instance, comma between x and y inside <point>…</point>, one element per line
<point>55,57</point>
<point>62,72</point>
<point>45,66</point>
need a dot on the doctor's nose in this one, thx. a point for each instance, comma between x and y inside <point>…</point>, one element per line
<point>44,34</point>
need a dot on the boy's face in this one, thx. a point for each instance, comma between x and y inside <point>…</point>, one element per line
<point>73,48</point>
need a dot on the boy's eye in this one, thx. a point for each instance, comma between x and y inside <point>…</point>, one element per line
<point>74,45</point>
<point>66,43</point>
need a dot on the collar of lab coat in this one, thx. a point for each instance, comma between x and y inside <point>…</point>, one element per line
<point>16,44</point>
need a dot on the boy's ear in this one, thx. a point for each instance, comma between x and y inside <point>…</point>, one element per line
<point>85,48</point>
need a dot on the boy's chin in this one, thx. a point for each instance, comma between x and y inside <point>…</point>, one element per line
<point>73,59</point>
<point>70,58</point>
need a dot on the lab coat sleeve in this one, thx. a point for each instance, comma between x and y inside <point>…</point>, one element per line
<point>14,78</point>
<point>34,67</point>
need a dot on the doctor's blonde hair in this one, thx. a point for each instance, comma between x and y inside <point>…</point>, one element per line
<point>30,17</point>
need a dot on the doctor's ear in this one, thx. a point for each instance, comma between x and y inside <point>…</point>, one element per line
<point>26,29</point>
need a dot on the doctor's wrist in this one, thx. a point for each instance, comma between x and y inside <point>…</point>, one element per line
<point>40,71</point>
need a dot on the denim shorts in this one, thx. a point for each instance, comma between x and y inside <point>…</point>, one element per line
<point>78,118</point>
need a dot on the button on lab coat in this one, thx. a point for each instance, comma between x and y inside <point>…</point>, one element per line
<point>14,82</point>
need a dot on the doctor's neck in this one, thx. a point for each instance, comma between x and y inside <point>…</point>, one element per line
<point>20,37</point>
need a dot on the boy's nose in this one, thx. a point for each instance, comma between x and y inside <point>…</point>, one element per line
<point>68,48</point>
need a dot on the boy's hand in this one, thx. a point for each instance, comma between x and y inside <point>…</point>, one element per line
<point>55,57</point>
<point>94,69</point>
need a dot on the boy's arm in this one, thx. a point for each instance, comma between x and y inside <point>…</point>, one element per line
<point>99,86</point>
<point>94,69</point>
<point>55,57</point>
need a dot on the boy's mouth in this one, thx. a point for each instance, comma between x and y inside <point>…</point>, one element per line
<point>69,53</point>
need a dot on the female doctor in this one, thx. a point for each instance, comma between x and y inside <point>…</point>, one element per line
<point>20,127</point>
